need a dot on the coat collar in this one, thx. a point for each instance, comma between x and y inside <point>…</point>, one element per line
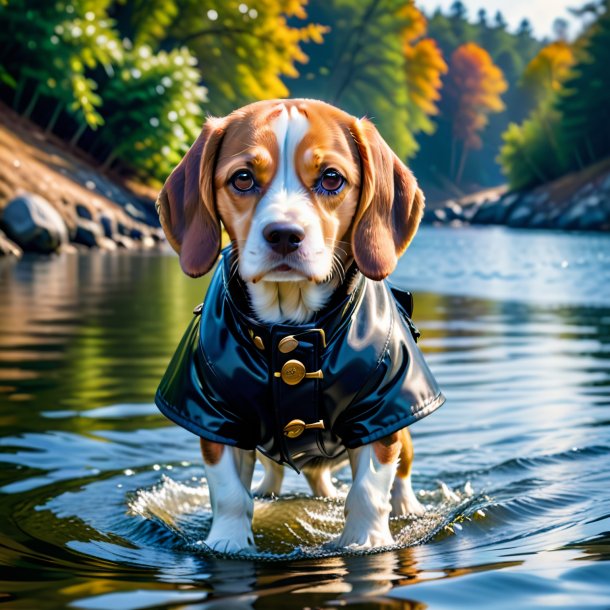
<point>326,323</point>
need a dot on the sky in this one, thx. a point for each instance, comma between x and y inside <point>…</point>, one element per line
<point>541,13</point>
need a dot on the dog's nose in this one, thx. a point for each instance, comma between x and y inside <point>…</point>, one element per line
<point>283,238</point>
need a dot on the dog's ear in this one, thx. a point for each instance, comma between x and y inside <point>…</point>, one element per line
<point>187,206</point>
<point>391,205</point>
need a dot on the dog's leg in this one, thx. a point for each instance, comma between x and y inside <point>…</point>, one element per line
<point>367,506</point>
<point>404,500</point>
<point>318,473</point>
<point>229,472</point>
<point>272,479</point>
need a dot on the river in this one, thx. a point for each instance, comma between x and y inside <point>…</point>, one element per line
<point>103,502</point>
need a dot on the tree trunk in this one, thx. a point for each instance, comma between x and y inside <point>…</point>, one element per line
<point>460,171</point>
<point>32,104</point>
<point>19,93</point>
<point>58,108</point>
<point>77,135</point>
<point>110,159</point>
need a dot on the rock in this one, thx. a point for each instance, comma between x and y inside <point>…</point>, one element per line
<point>540,220</point>
<point>88,233</point>
<point>570,217</point>
<point>469,211</point>
<point>122,241</point>
<point>8,247</point>
<point>34,224</point>
<point>83,211</point>
<point>440,216</point>
<point>107,244</point>
<point>486,213</point>
<point>453,210</point>
<point>109,224</point>
<point>605,184</point>
<point>592,219</point>
<point>592,201</point>
<point>148,242</point>
<point>136,234</point>
<point>519,216</point>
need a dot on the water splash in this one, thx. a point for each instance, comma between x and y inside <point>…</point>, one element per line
<point>291,526</point>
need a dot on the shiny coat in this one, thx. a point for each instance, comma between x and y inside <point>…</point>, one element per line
<point>230,382</point>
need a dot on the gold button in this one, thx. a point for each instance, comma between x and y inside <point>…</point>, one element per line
<point>259,342</point>
<point>296,427</point>
<point>293,372</point>
<point>287,344</point>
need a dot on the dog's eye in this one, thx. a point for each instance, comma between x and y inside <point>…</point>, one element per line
<point>242,180</point>
<point>332,181</point>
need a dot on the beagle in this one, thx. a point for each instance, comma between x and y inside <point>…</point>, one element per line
<point>302,351</point>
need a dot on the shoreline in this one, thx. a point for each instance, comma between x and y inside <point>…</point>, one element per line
<point>53,198</point>
<point>579,201</point>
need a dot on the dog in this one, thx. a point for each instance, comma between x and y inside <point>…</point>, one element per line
<point>301,351</point>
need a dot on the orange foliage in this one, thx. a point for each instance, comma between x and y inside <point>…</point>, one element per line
<point>473,91</point>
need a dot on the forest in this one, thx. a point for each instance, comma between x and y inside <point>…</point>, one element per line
<point>467,102</point>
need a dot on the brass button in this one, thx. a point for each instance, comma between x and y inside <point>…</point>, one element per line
<point>259,342</point>
<point>293,372</point>
<point>287,344</point>
<point>296,427</point>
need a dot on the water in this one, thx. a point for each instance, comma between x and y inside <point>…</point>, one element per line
<point>103,503</point>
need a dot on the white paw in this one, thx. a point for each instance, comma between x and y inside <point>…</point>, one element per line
<point>404,501</point>
<point>230,538</point>
<point>363,538</point>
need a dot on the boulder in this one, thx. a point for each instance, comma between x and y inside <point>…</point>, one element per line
<point>487,212</point>
<point>592,219</point>
<point>109,224</point>
<point>440,216</point>
<point>519,216</point>
<point>453,210</point>
<point>34,224</point>
<point>83,211</point>
<point>8,247</point>
<point>570,217</point>
<point>88,233</point>
<point>540,220</point>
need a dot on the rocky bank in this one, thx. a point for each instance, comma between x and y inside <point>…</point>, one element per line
<point>578,201</point>
<point>54,199</point>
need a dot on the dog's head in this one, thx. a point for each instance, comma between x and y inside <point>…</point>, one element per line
<point>300,186</point>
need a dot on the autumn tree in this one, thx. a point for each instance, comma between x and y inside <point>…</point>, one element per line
<point>531,153</point>
<point>423,70</point>
<point>474,87</point>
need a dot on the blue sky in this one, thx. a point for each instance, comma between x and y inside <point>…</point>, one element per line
<point>541,13</point>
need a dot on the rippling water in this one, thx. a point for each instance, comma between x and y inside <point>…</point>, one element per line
<point>104,502</point>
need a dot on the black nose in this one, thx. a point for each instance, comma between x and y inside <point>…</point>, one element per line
<point>283,238</point>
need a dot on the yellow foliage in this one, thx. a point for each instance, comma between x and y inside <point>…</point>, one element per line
<point>546,72</point>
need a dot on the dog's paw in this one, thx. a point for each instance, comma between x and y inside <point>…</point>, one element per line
<point>225,538</point>
<point>404,501</point>
<point>363,538</point>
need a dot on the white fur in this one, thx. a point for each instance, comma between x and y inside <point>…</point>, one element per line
<point>232,503</point>
<point>367,506</point>
<point>293,296</point>
<point>404,501</point>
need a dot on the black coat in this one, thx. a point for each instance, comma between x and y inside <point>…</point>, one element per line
<point>231,381</point>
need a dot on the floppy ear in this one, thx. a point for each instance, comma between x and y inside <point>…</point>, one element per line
<point>391,205</point>
<point>187,207</point>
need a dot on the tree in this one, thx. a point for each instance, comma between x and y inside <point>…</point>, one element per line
<point>584,99</point>
<point>244,49</point>
<point>474,87</point>
<point>543,76</point>
<point>362,63</point>
<point>53,48</point>
<point>153,110</point>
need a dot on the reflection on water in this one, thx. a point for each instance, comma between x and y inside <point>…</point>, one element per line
<point>103,501</point>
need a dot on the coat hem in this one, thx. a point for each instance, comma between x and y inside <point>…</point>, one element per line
<point>168,411</point>
<point>420,412</point>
